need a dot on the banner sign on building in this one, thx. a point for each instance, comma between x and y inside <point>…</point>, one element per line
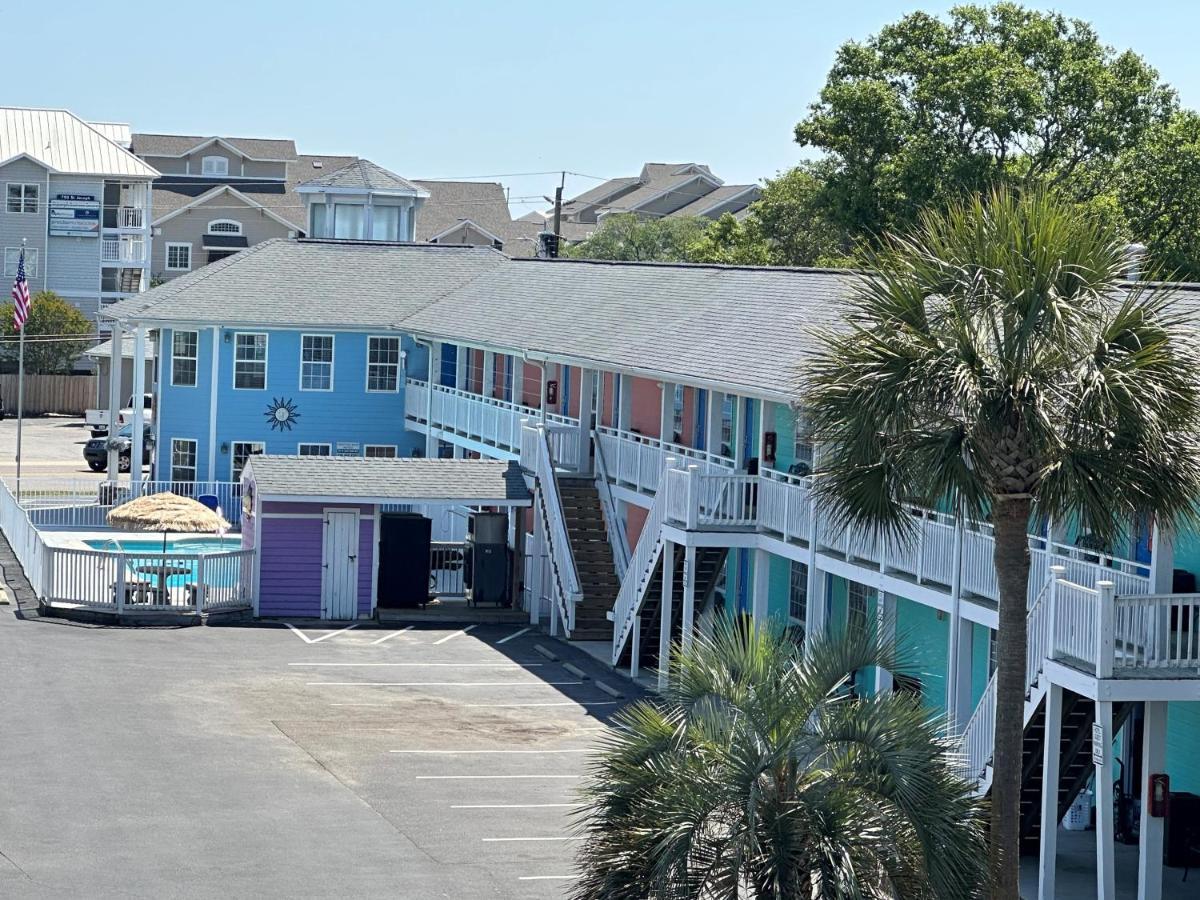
<point>75,215</point>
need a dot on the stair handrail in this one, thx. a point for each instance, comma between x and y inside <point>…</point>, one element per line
<point>614,524</point>
<point>641,568</point>
<point>978,737</point>
<point>562,558</point>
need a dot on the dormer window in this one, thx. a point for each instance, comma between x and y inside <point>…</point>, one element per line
<point>214,165</point>
<point>225,226</point>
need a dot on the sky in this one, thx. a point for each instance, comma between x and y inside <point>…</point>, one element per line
<point>511,92</point>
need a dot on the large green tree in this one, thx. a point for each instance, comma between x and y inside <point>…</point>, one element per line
<point>56,335</point>
<point>996,362</point>
<point>632,238</point>
<point>759,774</point>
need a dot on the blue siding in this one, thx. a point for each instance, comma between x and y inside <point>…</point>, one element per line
<point>347,414</point>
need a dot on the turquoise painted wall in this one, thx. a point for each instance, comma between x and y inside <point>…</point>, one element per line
<point>1183,745</point>
<point>979,661</point>
<point>923,641</point>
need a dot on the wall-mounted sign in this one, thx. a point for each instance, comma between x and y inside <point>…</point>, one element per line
<point>75,215</point>
<point>348,448</point>
<point>1097,744</point>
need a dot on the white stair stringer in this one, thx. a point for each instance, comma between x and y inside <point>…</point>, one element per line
<point>638,576</point>
<point>978,738</point>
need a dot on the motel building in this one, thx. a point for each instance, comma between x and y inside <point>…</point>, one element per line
<point>652,413</point>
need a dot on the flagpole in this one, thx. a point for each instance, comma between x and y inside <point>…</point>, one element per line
<point>20,391</point>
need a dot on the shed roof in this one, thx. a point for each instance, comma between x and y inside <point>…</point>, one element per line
<point>64,143</point>
<point>465,482</point>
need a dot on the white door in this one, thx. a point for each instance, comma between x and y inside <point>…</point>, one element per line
<point>339,575</point>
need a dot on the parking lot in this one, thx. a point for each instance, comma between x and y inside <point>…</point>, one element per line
<point>279,761</point>
<point>50,445</point>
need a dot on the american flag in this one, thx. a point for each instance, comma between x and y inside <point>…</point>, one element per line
<point>20,295</point>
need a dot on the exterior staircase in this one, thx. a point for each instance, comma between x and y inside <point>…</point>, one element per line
<point>593,554</point>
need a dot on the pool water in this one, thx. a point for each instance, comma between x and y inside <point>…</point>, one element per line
<point>224,577</point>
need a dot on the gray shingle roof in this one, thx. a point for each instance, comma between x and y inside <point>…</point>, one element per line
<point>362,174</point>
<point>475,482</point>
<point>723,194</point>
<point>314,283</point>
<point>182,144</point>
<point>735,326</point>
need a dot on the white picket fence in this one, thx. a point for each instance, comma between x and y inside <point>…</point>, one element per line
<point>78,503</point>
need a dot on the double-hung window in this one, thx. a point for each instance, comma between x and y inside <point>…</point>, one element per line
<point>383,364</point>
<point>22,198</point>
<point>379,451</point>
<point>250,361</point>
<point>12,260</point>
<point>179,256</point>
<point>316,362</point>
<point>184,350</point>
<point>242,451</point>
<point>183,459</point>
<point>798,598</point>
<point>856,607</point>
<point>314,450</point>
<point>214,165</point>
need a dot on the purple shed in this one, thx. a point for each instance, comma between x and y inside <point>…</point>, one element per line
<point>315,522</point>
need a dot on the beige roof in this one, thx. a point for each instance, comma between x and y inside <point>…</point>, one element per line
<point>64,143</point>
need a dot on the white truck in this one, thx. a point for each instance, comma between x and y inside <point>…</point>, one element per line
<point>97,419</point>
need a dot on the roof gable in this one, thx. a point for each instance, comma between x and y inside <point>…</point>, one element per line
<point>65,144</point>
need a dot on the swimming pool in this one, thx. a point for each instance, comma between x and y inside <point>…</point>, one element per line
<point>174,545</point>
<point>184,570</point>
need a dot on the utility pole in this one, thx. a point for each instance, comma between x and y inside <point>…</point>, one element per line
<point>558,206</point>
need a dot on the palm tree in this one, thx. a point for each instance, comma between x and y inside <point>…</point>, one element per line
<point>996,361</point>
<point>759,774</point>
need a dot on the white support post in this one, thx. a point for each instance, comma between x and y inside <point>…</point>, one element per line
<point>214,392</point>
<point>489,373</point>
<point>625,407</point>
<point>115,365</point>
<point>635,648</point>
<point>1162,560</point>
<point>518,380</point>
<point>200,590</point>
<point>760,602</point>
<point>664,628</point>
<point>461,358</point>
<point>666,419</point>
<point>1102,757</point>
<point>712,443</point>
<point>137,447</point>
<point>1150,840</point>
<point>435,356</point>
<point>1052,745</point>
<point>885,627</point>
<point>689,594</point>
<point>965,655</point>
<point>538,566</point>
<point>119,587</point>
<point>583,461</point>
<point>1105,630</point>
<point>693,497</point>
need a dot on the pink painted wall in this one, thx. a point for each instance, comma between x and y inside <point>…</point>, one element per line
<point>498,375</point>
<point>635,521</point>
<point>645,406</point>
<point>688,435</point>
<point>531,386</point>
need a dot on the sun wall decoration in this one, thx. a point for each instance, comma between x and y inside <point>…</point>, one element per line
<point>281,414</point>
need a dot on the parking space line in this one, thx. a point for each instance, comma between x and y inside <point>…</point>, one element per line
<point>462,752</point>
<point>555,703</point>
<point>304,637</point>
<point>454,634</point>
<point>511,636</point>
<point>388,637</point>
<point>494,777</point>
<point>548,878</point>
<point>441,683</point>
<point>507,840</point>
<point>348,665</point>
<point>516,806</point>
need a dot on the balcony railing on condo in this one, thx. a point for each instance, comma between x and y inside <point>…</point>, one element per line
<point>122,250</point>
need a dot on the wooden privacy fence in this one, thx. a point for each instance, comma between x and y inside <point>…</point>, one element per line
<point>63,394</point>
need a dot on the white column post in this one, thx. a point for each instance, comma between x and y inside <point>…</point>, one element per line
<point>489,373</point>
<point>760,602</point>
<point>1105,630</point>
<point>712,443</point>
<point>689,594</point>
<point>139,406</point>
<point>115,365</point>
<point>814,626</point>
<point>693,497</point>
<point>1052,745</point>
<point>1102,756</point>
<point>664,628</point>
<point>1162,560</point>
<point>518,380</point>
<point>666,419</point>
<point>625,406</point>
<point>961,708</point>
<point>213,393</point>
<point>538,579</point>
<point>461,358</point>
<point>435,357</point>
<point>583,462</point>
<point>635,648</point>
<point>1154,762</point>
<point>885,627</point>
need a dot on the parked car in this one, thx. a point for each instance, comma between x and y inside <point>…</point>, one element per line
<point>95,451</point>
<point>97,419</point>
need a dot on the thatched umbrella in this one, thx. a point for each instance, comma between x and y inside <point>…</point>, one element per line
<point>167,512</point>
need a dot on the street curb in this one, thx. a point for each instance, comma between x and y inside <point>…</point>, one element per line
<point>576,671</point>
<point>610,690</point>
<point>549,654</point>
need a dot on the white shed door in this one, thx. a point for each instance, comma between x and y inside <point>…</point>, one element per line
<point>339,575</point>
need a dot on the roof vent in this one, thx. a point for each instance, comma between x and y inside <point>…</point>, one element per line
<point>317,164</point>
<point>1134,255</point>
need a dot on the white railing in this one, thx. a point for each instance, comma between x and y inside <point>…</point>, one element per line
<point>562,558</point>
<point>56,503</point>
<point>130,217</point>
<point>613,520</point>
<point>1076,614</point>
<point>785,505</point>
<point>27,545</point>
<point>1157,631</point>
<point>123,581</point>
<point>637,461</point>
<point>637,579</point>
<point>123,250</point>
<point>486,420</point>
<point>446,565</point>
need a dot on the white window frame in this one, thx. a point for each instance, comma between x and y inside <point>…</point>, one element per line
<point>677,401</point>
<point>195,458</point>
<point>728,420</point>
<point>797,590</point>
<point>234,474</point>
<point>24,186</point>
<point>300,448</point>
<point>368,447</point>
<point>175,245</point>
<point>214,169</point>
<point>237,226</point>
<point>266,354</point>
<point>857,593</point>
<point>399,360</point>
<point>31,262</point>
<point>195,359</point>
<point>332,358</point>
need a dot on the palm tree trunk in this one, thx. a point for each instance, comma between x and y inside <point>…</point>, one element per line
<point>1010,522</point>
